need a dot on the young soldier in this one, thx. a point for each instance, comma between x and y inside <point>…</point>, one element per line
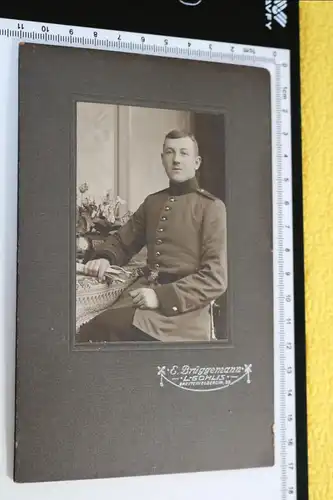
<point>184,228</point>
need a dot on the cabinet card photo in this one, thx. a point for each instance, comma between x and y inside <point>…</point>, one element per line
<point>145,340</point>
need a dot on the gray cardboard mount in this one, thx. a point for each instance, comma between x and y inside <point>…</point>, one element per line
<point>84,413</point>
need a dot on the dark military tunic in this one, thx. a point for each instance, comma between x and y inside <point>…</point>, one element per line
<point>184,229</point>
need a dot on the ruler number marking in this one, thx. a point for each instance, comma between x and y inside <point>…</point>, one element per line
<point>288,483</point>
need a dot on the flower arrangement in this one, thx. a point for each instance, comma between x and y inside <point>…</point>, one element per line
<point>100,217</point>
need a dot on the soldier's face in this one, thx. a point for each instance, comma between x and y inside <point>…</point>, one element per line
<point>180,159</point>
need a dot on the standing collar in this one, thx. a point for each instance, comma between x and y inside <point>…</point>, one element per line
<point>179,188</point>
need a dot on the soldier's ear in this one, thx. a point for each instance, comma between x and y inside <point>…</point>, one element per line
<point>198,162</point>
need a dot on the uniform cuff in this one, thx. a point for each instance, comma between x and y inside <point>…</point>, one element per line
<point>169,303</point>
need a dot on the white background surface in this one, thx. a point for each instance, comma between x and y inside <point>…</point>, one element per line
<point>255,484</point>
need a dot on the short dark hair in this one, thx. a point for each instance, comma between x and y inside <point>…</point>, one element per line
<point>179,134</point>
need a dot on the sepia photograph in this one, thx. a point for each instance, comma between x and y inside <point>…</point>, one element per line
<point>148,269</point>
<point>151,225</point>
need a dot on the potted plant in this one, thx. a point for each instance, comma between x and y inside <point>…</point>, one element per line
<point>97,218</point>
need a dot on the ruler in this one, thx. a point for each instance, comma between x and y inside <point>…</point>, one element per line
<point>277,62</point>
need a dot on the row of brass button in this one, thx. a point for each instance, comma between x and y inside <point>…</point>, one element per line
<point>159,241</point>
<point>160,229</point>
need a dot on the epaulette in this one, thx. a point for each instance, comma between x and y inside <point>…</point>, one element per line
<point>151,195</point>
<point>161,191</point>
<point>207,194</point>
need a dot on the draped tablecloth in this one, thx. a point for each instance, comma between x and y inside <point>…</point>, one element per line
<point>93,297</point>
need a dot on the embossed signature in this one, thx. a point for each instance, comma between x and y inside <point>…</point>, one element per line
<point>203,378</point>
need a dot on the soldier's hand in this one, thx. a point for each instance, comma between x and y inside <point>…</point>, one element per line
<point>144,298</point>
<point>97,268</point>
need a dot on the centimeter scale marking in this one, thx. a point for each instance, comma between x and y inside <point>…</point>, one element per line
<point>28,31</point>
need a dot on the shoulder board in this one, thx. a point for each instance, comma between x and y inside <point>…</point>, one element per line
<point>152,195</point>
<point>159,192</point>
<point>207,194</point>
